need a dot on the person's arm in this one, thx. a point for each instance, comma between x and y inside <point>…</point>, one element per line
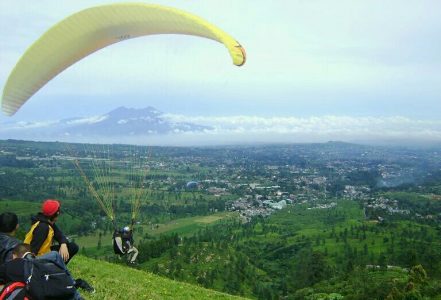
<point>126,244</point>
<point>13,243</point>
<point>39,236</point>
<point>58,235</point>
<point>62,240</point>
<point>8,255</point>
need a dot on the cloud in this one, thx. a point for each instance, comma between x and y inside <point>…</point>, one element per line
<point>89,120</point>
<point>313,129</point>
<point>50,124</point>
<point>22,125</point>
<point>249,129</point>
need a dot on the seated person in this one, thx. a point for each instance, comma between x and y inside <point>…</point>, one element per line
<point>13,270</point>
<point>8,228</point>
<point>44,231</point>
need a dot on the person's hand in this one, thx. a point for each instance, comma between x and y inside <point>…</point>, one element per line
<point>64,252</point>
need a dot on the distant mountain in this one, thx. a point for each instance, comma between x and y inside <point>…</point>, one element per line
<point>120,122</point>
<point>128,121</point>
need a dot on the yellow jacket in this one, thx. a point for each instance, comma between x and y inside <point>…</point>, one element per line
<point>47,242</point>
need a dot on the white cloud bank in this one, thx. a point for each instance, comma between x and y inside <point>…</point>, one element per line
<point>242,129</point>
<point>312,129</point>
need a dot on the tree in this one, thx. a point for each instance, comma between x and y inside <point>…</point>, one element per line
<point>309,267</point>
<point>417,274</point>
<point>394,294</point>
<point>382,261</point>
<point>365,249</point>
<point>408,258</point>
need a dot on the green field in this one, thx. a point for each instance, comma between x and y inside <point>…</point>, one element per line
<point>21,208</point>
<point>183,227</point>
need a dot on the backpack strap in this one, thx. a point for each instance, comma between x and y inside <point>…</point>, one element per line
<point>28,269</point>
<point>11,287</point>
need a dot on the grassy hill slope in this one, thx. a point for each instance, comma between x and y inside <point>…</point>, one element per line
<point>113,281</point>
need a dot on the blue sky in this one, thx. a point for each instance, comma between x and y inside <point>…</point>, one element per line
<point>377,60</point>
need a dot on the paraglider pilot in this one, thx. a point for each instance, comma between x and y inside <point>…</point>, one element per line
<point>123,244</point>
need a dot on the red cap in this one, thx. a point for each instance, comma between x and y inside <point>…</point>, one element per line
<point>50,207</point>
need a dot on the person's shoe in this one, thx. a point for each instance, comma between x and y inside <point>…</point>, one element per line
<point>132,264</point>
<point>83,284</point>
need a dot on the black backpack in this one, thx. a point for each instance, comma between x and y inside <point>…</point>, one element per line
<point>47,280</point>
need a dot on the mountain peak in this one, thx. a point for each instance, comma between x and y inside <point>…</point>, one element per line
<point>119,123</point>
<point>125,112</point>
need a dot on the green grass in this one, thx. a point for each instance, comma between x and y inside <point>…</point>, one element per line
<point>113,281</point>
<point>187,226</point>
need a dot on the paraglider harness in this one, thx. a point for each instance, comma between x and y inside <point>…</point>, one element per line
<point>122,240</point>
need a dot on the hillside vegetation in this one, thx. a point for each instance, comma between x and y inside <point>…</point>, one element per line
<point>306,252</point>
<point>113,281</point>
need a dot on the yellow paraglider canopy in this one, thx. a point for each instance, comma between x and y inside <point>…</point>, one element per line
<point>94,28</point>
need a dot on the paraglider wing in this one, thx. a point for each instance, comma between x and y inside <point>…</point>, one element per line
<point>94,28</point>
